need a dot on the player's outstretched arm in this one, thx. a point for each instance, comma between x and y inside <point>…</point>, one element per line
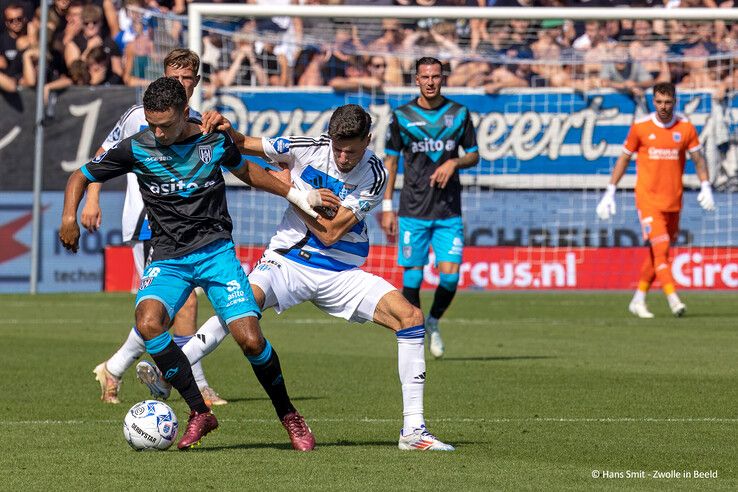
<point>69,230</point>
<point>213,120</point>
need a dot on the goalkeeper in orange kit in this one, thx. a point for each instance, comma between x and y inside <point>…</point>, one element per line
<point>661,140</point>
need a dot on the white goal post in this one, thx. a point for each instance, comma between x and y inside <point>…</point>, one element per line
<point>196,11</point>
<point>546,149</point>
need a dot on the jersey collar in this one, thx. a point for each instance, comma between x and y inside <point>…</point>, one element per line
<point>658,123</point>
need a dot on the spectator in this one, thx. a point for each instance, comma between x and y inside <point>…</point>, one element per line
<point>79,73</point>
<point>99,64</point>
<point>501,77</point>
<point>390,41</point>
<point>729,42</point>
<point>90,38</point>
<point>308,70</point>
<point>274,64</point>
<point>547,48</point>
<point>368,77</point>
<point>594,34</point>
<point>137,53</point>
<point>14,40</point>
<point>495,43</point>
<point>338,56</point>
<point>178,7</point>
<point>625,74</point>
<point>649,52</point>
<point>244,68</point>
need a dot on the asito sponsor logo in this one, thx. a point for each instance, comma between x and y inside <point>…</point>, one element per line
<point>431,145</point>
<point>175,186</point>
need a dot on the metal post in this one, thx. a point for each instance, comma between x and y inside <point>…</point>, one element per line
<point>39,147</point>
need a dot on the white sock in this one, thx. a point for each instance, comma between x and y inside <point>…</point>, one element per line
<point>207,338</point>
<point>132,349</point>
<point>673,298</point>
<point>197,372</point>
<point>411,365</point>
<point>199,376</point>
<point>639,296</point>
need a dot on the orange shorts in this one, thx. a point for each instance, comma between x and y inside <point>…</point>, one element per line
<point>659,226</point>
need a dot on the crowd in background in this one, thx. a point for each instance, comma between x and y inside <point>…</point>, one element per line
<point>116,42</point>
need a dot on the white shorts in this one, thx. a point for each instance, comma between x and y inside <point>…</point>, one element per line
<point>352,294</point>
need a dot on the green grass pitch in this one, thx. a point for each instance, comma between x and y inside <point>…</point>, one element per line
<point>537,391</point>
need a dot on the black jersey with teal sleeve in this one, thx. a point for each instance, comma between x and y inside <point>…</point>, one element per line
<point>427,138</point>
<point>181,184</point>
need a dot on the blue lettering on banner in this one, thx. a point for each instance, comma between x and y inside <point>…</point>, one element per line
<point>519,133</point>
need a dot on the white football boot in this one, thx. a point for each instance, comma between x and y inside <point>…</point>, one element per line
<point>435,344</point>
<point>677,308</point>
<point>639,309</point>
<point>422,440</point>
<point>150,375</point>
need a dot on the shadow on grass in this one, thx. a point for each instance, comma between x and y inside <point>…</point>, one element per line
<point>493,358</point>
<point>288,447</point>
<point>266,398</point>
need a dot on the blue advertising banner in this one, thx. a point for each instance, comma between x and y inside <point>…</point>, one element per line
<point>60,270</point>
<point>520,134</point>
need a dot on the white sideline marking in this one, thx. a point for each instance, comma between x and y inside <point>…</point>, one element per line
<point>367,420</point>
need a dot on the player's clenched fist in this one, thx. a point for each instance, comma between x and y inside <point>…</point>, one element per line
<point>69,234</point>
<point>213,120</point>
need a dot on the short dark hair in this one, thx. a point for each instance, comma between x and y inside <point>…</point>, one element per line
<point>665,88</point>
<point>427,60</point>
<point>349,121</point>
<point>163,94</point>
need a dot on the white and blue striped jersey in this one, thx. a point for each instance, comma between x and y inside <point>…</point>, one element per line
<point>135,225</point>
<point>311,165</point>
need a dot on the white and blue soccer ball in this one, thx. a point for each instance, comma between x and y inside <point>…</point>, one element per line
<point>150,425</point>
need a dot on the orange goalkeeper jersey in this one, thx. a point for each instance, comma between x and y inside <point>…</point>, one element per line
<point>662,150</point>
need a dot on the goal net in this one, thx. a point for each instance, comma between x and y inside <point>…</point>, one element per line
<point>550,109</point>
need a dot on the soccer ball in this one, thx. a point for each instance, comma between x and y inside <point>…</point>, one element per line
<point>150,425</point>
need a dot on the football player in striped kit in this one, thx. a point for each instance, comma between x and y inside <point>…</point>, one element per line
<point>319,259</point>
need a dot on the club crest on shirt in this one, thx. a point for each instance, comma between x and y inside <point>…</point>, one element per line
<point>448,120</point>
<point>280,145</point>
<point>407,251</point>
<point>677,136</point>
<point>206,153</point>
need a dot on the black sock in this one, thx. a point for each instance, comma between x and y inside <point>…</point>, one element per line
<point>412,294</point>
<point>441,300</point>
<point>177,371</point>
<point>269,373</point>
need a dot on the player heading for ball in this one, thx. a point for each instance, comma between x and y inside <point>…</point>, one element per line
<point>180,179</point>
<point>661,140</point>
<point>428,132</point>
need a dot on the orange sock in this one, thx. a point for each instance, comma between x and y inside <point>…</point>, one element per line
<point>662,266</point>
<point>647,273</point>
